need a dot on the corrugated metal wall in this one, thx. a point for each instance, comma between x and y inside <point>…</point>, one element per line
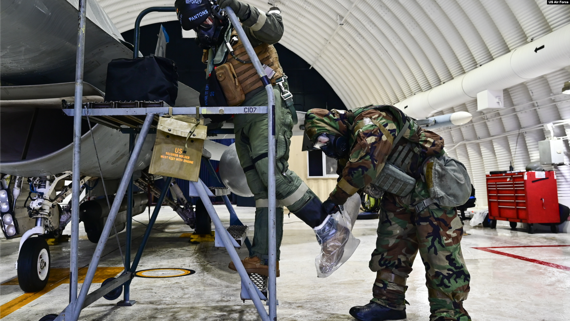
<point>497,137</point>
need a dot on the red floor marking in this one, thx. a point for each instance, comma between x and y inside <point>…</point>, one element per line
<point>556,266</point>
<point>509,247</point>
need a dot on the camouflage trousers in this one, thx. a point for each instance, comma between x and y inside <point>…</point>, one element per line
<point>436,233</point>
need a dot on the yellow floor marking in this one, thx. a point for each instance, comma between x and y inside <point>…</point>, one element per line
<point>58,240</point>
<point>57,277</point>
<point>200,237</point>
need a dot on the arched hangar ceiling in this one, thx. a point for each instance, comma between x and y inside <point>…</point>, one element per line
<point>373,51</point>
<point>433,56</point>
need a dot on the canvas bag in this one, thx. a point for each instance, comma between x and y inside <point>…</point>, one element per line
<point>178,147</point>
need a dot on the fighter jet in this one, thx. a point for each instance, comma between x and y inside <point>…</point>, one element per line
<point>37,74</point>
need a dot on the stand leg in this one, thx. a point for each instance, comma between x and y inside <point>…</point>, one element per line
<point>72,312</point>
<point>220,230</point>
<point>127,287</point>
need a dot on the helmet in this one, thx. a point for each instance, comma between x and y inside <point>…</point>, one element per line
<point>191,13</point>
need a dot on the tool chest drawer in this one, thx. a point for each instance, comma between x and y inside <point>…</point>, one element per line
<point>528,197</point>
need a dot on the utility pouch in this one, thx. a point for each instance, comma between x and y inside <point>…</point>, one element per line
<point>212,95</point>
<point>230,85</point>
<point>178,147</point>
<point>447,179</point>
<point>394,181</point>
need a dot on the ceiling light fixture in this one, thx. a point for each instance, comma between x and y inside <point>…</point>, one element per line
<point>566,88</point>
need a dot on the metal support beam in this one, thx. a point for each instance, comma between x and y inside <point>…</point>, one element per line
<point>138,25</point>
<point>141,111</point>
<point>221,231</point>
<point>99,293</point>
<point>127,288</point>
<point>76,169</point>
<point>75,310</point>
<point>272,285</point>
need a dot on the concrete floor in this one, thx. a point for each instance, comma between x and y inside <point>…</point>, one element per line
<point>515,287</point>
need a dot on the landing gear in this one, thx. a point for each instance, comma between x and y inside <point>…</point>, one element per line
<point>33,265</point>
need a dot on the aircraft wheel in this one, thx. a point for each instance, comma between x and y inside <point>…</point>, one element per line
<point>49,317</point>
<point>33,265</point>
<point>114,294</point>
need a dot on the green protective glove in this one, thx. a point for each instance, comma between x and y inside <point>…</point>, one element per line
<point>241,9</point>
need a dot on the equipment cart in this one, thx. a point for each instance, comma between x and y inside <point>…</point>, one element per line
<point>527,197</point>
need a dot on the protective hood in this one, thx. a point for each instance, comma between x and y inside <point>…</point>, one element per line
<point>319,121</point>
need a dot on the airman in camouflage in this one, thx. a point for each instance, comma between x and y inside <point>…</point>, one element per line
<point>435,231</point>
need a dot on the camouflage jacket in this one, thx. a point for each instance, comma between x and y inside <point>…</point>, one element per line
<point>370,131</point>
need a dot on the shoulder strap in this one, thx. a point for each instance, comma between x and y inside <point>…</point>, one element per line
<point>401,133</point>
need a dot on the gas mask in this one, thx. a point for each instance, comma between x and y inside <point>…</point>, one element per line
<point>333,146</point>
<point>210,33</point>
<point>205,18</point>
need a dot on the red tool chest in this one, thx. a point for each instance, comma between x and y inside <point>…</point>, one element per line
<point>528,197</point>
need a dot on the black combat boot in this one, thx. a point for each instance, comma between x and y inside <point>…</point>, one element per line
<point>312,213</point>
<point>376,312</point>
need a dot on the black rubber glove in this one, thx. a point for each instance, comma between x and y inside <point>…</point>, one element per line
<point>330,207</point>
<point>241,10</point>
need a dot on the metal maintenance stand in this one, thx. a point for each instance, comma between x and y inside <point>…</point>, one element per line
<point>77,303</point>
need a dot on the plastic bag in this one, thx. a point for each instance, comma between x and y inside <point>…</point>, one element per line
<point>478,217</point>
<point>352,208</point>
<point>338,248</point>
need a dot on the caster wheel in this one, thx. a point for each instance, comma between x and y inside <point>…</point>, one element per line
<point>114,294</point>
<point>493,224</point>
<point>529,228</point>
<point>33,265</point>
<point>513,225</point>
<point>49,317</point>
<point>553,228</point>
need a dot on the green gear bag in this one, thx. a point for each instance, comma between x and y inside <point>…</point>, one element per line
<point>447,180</point>
<point>178,147</point>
